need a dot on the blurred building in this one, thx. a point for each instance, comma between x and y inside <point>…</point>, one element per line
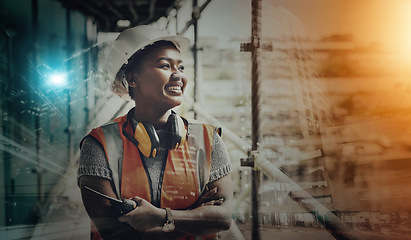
<point>369,89</point>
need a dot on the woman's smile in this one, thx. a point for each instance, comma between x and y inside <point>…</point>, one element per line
<point>175,88</point>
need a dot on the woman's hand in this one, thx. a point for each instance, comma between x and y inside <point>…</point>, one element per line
<point>145,217</point>
<point>209,198</point>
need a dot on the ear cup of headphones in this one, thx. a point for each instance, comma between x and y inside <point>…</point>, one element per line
<point>147,138</point>
<point>177,132</point>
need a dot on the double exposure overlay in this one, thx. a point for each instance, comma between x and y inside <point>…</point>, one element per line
<point>334,77</point>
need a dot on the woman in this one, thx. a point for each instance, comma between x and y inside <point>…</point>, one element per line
<point>176,171</point>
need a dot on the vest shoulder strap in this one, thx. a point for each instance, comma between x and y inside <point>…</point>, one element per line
<point>114,145</point>
<point>197,123</point>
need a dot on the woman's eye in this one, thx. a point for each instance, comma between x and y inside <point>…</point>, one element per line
<point>165,66</point>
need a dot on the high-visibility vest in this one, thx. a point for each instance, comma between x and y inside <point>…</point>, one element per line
<point>185,173</point>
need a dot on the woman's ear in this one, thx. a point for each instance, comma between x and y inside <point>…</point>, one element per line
<point>131,79</point>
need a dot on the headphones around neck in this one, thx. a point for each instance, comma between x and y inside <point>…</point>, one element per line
<point>148,141</point>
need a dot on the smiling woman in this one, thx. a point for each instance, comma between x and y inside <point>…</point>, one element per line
<point>176,171</point>
<point>159,79</point>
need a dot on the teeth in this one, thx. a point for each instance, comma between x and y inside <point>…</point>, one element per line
<point>176,88</point>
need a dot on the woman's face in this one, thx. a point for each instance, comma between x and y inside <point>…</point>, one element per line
<point>160,81</point>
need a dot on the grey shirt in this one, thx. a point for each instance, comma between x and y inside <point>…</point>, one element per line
<point>93,162</point>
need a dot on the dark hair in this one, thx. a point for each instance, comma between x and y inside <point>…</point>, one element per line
<point>134,62</point>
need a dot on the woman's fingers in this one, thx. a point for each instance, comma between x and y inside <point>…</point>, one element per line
<point>123,219</point>
<point>138,200</point>
<point>214,202</point>
<point>145,217</point>
<point>210,192</point>
<point>207,195</point>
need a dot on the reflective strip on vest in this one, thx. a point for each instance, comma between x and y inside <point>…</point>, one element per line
<point>114,153</point>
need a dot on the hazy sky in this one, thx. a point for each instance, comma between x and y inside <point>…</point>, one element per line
<point>385,21</point>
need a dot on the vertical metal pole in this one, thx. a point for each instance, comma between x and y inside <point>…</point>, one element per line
<point>255,198</point>
<point>195,16</point>
<point>34,26</point>
<point>5,107</point>
<point>256,119</point>
<point>177,8</point>
<point>68,66</point>
<point>86,59</point>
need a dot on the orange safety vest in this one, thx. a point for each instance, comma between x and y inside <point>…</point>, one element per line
<point>186,172</point>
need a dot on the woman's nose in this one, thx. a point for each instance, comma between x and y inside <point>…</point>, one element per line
<point>176,74</point>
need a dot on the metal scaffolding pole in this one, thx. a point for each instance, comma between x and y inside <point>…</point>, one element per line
<point>39,170</point>
<point>195,17</point>
<point>256,120</point>
<point>254,48</point>
<point>196,13</point>
<point>69,51</point>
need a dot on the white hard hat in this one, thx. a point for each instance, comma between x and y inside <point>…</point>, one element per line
<point>129,42</point>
